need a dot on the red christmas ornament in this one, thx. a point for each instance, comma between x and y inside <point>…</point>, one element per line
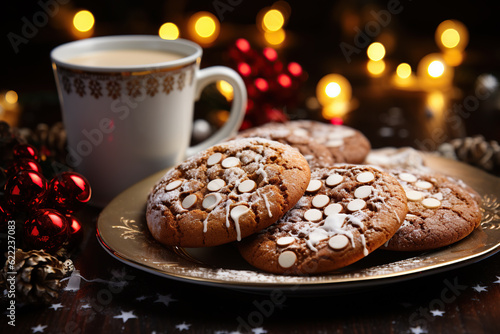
<point>5,217</point>
<point>23,164</point>
<point>69,191</point>
<point>75,231</point>
<point>269,82</point>
<point>46,229</point>
<point>25,151</point>
<point>25,191</point>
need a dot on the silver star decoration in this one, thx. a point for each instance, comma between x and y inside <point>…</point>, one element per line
<point>85,306</point>
<point>437,313</point>
<point>38,329</point>
<point>183,326</point>
<point>498,280</point>
<point>56,306</point>
<point>165,299</point>
<point>417,330</point>
<point>141,298</point>
<point>479,288</point>
<point>259,330</point>
<point>125,316</point>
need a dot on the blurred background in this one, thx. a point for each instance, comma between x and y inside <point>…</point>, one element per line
<point>405,73</point>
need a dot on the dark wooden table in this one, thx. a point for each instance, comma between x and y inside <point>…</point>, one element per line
<point>116,298</point>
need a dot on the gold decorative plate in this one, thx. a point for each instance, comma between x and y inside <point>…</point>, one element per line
<point>122,231</point>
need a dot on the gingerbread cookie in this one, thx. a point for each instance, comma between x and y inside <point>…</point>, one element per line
<point>316,154</point>
<point>442,211</point>
<point>347,212</point>
<point>345,143</point>
<point>226,193</point>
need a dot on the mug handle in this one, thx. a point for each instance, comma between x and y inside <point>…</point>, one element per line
<point>212,74</point>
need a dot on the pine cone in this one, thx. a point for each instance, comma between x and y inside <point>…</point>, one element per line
<point>38,276</point>
<point>475,151</point>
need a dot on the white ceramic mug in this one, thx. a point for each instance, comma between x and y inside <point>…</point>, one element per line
<point>125,122</point>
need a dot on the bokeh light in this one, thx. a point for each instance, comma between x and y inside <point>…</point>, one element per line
<point>375,67</point>
<point>333,88</point>
<point>435,69</point>
<point>295,69</point>
<point>261,84</point>
<point>83,21</point>
<point>270,54</point>
<point>243,45</point>
<point>453,57</point>
<point>204,27</point>
<point>436,101</point>
<point>244,69</point>
<point>376,51</point>
<point>225,89</point>
<point>169,31</point>
<point>11,97</point>
<point>335,111</point>
<point>450,38</point>
<point>403,70</point>
<point>404,77</point>
<point>452,34</point>
<point>433,72</point>
<point>284,80</point>
<point>275,38</point>
<point>273,20</point>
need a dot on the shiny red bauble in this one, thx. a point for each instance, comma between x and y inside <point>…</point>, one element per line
<point>46,229</point>
<point>25,191</point>
<point>5,217</point>
<point>75,231</point>
<point>23,164</point>
<point>25,151</point>
<point>69,191</point>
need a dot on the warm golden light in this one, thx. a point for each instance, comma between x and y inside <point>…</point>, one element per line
<point>169,31</point>
<point>273,20</point>
<point>275,38</point>
<point>435,69</point>
<point>11,97</point>
<point>375,68</point>
<point>333,88</point>
<point>83,21</point>
<point>204,27</point>
<point>452,34</point>
<point>404,77</point>
<point>376,51</point>
<point>225,89</point>
<point>433,72</point>
<point>436,102</point>
<point>453,57</point>
<point>450,38</point>
<point>335,110</point>
<point>403,70</point>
